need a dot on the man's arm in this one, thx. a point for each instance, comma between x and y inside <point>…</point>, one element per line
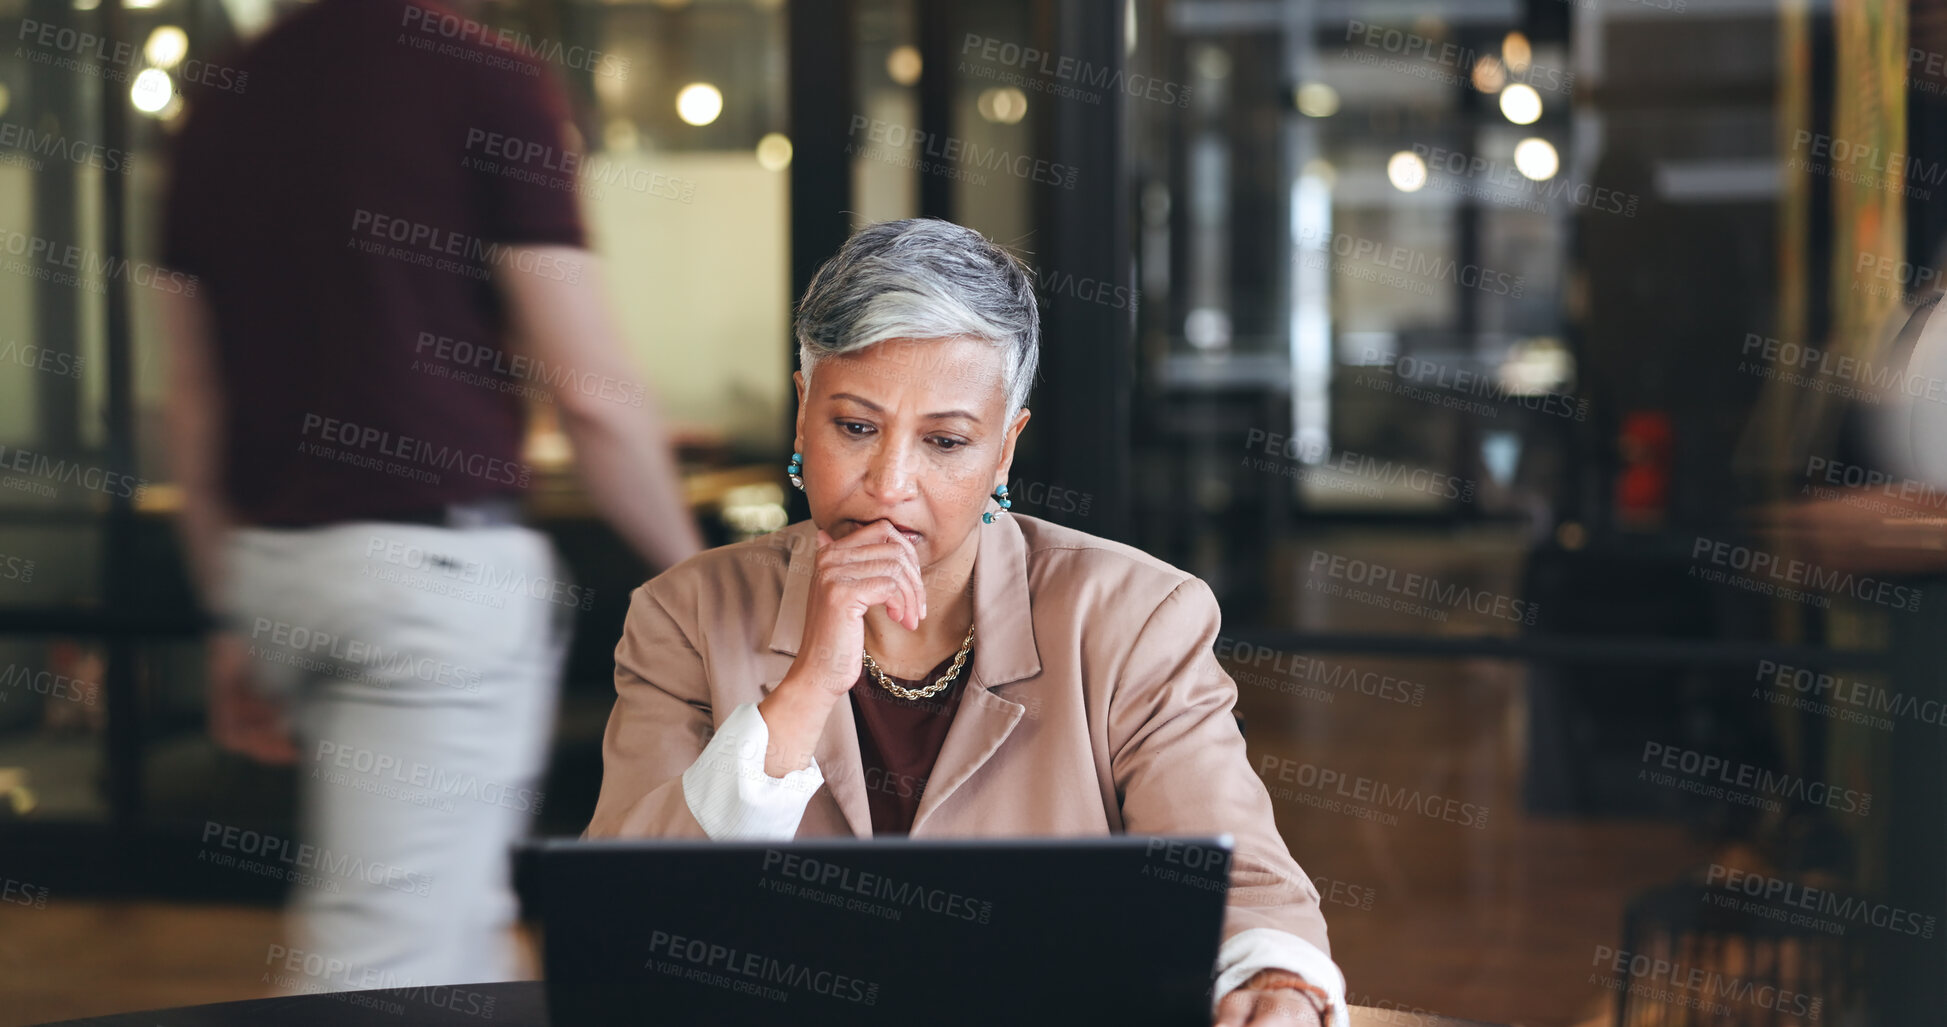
<point>193,418</point>
<point>622,450</point>
<point>240,720</point>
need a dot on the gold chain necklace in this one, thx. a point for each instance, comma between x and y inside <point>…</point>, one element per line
<point>959,659</point>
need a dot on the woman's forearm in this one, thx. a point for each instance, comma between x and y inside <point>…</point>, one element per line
<point>795,713</point>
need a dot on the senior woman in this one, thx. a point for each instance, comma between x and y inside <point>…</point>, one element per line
<point>917,660</point>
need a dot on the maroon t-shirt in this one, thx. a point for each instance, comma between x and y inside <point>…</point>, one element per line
<point>341,212</point>
<point>900,740</point>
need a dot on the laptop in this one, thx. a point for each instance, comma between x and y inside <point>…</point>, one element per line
<point>1119,929</point>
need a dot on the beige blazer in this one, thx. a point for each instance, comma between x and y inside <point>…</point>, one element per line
<point>1095,706</point>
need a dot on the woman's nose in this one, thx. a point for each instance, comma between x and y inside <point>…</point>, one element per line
<point>890,475</point>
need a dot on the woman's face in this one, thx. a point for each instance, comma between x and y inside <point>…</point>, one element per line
<point>906,430</point>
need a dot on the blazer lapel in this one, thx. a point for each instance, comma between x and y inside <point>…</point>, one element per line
<point>982,723</point>
<point>838,758</point>
<point>1003,652</point>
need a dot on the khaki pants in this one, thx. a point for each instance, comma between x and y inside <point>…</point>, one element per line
<point>421,666</point>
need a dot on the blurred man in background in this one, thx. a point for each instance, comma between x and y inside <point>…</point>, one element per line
<point>380,286</point>
<point>1870,501</point>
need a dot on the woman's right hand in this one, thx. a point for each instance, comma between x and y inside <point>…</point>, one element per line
<point>873,566</point>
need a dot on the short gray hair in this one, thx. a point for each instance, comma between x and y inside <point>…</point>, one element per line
<point>923,278</point>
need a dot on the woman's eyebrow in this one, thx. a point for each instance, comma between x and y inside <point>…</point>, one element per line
<point>877,409</point>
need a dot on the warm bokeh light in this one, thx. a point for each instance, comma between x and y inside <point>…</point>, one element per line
<point>1537,366</point>
<point>152,91</point>
<point>1537,159</point>
<point>774,152</point>
<point>5,98</point>
<point>1521,104</point>
<point>1516,52</point>
<point>1317,100</point>
<point>1406,171</point>
<point>903,65</point>
<point>755,509</point>
<point>1489,76</point>
<point>699,103</point>
<point>1004,105</point>
<point>167,46</point>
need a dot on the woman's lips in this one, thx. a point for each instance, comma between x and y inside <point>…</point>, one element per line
<point>910,534</point>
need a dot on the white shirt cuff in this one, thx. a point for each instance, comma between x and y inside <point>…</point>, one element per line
<point>732,797</point>
<point>1264,948</point>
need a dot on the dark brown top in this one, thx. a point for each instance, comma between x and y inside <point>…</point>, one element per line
<point>343,216</point>
<point>899,740</point>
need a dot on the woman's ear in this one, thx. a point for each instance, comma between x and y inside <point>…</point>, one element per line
<point>1007,446</point>
<point>797,381</point>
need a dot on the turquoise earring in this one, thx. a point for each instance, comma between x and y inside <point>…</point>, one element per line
<point>796,470</point>
<point>1000,493</point>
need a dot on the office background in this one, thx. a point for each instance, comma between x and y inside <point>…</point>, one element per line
<point>1455,343</point>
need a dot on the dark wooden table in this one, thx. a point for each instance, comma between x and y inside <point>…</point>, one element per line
<point>506,1004</point>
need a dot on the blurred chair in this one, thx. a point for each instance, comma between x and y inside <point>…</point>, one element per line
<point>1685,925</point>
